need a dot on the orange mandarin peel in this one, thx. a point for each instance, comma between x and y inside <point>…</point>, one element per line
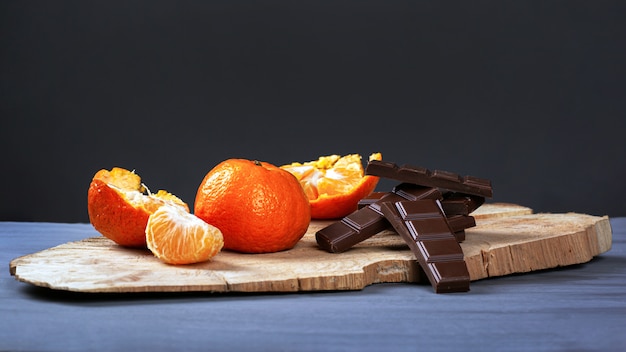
<point>334,184</point>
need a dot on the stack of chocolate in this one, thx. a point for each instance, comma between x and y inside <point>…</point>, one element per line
<point>430,210</point>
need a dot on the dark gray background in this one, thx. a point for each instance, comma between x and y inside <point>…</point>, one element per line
<point>530,94</point>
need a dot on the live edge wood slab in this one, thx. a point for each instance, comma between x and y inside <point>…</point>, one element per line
<point>508,239</point>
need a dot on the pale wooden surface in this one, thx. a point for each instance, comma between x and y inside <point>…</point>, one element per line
<point>496,210</point>
<point>503,242</point>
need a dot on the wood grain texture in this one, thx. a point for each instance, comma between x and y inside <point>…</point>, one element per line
<point>507,239</point>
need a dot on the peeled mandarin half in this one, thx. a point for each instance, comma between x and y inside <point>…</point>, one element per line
<point>119,205</point>
<point>334,184</point>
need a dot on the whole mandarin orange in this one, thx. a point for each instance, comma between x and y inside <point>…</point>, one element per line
<point>258,207</point>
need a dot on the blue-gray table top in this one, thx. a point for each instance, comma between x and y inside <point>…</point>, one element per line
<point>580,307</point>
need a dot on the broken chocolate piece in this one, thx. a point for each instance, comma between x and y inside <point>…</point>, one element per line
<point>454,203</point>
<point>458,224</point>
<point>424,177</point>
<point>424,227</point>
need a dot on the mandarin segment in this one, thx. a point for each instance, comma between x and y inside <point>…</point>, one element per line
<point>259,207</point>
<point>334,184</point>
<point>178,237</point>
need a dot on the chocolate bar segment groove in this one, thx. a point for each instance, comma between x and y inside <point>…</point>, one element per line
<point>424,177</point>
<point>419,210</point>
<point>432,242</point>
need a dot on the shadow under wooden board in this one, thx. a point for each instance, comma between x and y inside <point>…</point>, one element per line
<point>507,239</point>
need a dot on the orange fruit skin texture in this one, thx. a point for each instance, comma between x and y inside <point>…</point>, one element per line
<point>258,207</point>
<point>119,210</point>
<point>340,205</point>
<point>115,218</point>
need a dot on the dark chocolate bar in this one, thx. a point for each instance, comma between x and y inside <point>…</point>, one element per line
<point>460,204</point>
<point>453,203</point>
<point>424,227</point>
<point>407,191</point>
<point>456,206</point>
<point>460,235</point>
<point>436,178</point>
<point>367,221</point>
<point>352,229</point>
<point>361,225</point>
<point>373,197</point>
<point>458,224</point>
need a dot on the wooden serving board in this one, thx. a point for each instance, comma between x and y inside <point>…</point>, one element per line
<point>508,239</point>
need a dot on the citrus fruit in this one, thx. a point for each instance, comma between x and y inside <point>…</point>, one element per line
<point>177,237</point>
<point>334,184</point>
<point>259,207</point>
<point>119,205</point>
